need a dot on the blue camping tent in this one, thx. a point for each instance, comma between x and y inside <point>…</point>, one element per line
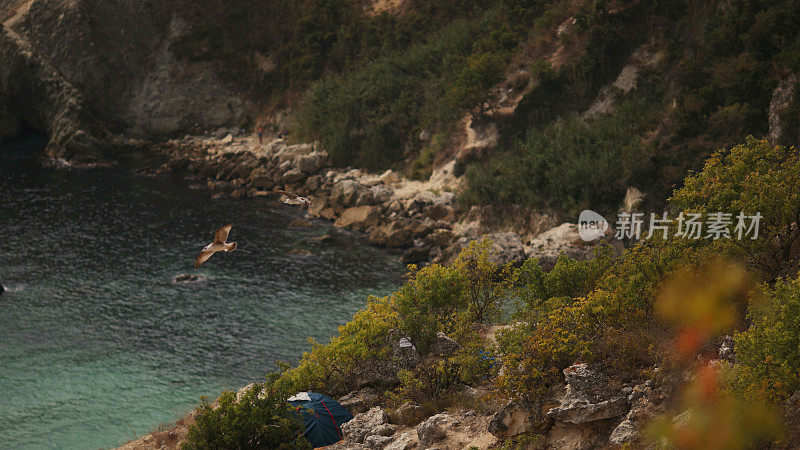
<point>322,416</point>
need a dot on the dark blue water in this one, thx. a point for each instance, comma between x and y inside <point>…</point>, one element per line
<point>96,339</point>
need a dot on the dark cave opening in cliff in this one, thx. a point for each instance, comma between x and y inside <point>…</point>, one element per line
<point>28,137</point>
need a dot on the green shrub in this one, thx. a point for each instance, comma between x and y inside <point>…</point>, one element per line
<point>433,382</point>
<point>571,165</point>
<point>568,278</point>
<point>261,418</point>
<point>430,302</point>
<point>487,284</point>
<point>334,368</point>
<point>767,366</point>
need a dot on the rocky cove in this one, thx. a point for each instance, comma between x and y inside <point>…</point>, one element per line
<point>419,219</point>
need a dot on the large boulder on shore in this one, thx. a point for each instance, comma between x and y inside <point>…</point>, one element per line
<point>261,177</point>
<point>395,234</point>
<point>346,192</point>
<point>312,162</point>
<point>359,217</point>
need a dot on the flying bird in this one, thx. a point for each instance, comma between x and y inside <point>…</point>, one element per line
<point>294,199</point>
<point>219,245</point>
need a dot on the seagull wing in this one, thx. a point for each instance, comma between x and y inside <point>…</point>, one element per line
<point>222,234</point>
<point>203,257</point>
<point>295,201</point>
<point>288,194</point>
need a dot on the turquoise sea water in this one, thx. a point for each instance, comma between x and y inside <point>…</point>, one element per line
<point>98,345</point>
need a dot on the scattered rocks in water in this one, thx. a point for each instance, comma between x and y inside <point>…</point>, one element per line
<point>299,252</point>
<point>188,278</point>
<point>299,223</point>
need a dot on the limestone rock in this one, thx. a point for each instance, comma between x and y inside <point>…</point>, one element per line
<point>261,177</point>
<point>359,217</point>
<point>395,234</point>
<point>726,349</point>
<point>588,397</point>
<point>311,163</point>
<point>515,418</point>
<point>360,401</point>
<point>409,413</point>
<point>377,441</point>
<point>346,192</point>
<point>389,177</point>
<point>313,183</point>
<point>363,424</point>
<point>293,176</point>
<point>555,242</point>
<point>782,97</point>
<point>405,441</point>
<point>444,346</point>
<point>433,430</point>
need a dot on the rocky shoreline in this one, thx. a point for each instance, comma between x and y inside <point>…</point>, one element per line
<point>420,219</point>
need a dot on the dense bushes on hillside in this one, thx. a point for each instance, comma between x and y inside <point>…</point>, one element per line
<point>572,164</point>
<point>620,311</point>
<point>722,61</point>
<point>261,418</point>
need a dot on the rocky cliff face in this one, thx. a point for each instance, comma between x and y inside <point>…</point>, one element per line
<point>95,76</point>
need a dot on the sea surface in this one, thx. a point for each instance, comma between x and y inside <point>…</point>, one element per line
<point>98,345</point>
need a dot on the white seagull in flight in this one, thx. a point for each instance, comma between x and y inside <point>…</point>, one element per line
<point>219,245</point>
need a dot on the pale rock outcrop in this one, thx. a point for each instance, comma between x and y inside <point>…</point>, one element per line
<point>515,418</point>
<point>782,97</point>
<point>364,424</point>
<point>433,429</point>
<point>588,397</point>
<point>443,345</point>
<point>311,163</point>
<point>564,240</point>
<point>406,441</point>
<point>360,401</point>
<point>346,192</point>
